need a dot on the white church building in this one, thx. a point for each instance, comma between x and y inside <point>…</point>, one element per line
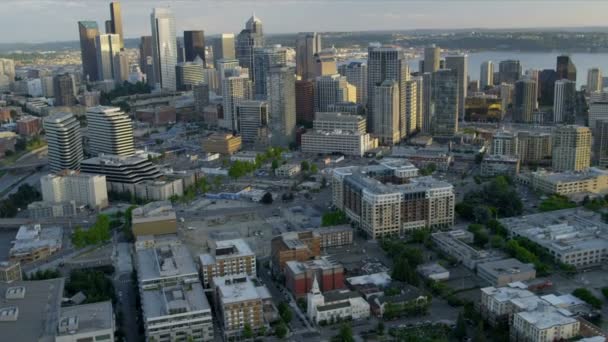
<point>335,305</point>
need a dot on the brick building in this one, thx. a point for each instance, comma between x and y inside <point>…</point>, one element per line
<point>29,125</point>
<point>299,276</point>
<point>294,246</point>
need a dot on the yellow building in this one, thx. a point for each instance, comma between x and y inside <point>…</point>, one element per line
<point>222,143</point>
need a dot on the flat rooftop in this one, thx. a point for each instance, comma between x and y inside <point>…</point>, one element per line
<point>323,263</point>
<point>91,317</point>
<point>225,249</point>
<point>30,238</point>
<point>165,260</point>
<point>505,266</point>
<point>378,279</point>
<point>238,288</point>
<point>546,316</point>
<point>154,211</point>
<point>177,299</point>
<point>570,176</point>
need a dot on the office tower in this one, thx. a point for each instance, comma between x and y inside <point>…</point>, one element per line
<point>211,79</point>
<point>419,101</point>
<point>506,97</point>
<point>308,44</point>
<point>225,67</point>
<point>281,88</point>
<point>330,90</point>
<point>444,102</point>
<point>7,68</point>
<point>265,58</point>
<point>63,89</point>
<point>385,63</point>
<point>234,89</point>
<point>110,131</point>
<point>524,101</point>
<point>431,58</point>
<point>200,92</point>
<point>305,101</point>
<point>179,43</point>
<point>534,75</point>
<point>108,27</point>
<point>254,123</point>
<point>565,68</point>
<point>571,148</point>
<point>223,47</point>
<point>459,63</point>
<point>564,106</point>
<point>116,22</point>
<point>88,30</point>
<point>145,53</point>
<point>47,86</point>
<point>108,47</point>
<point>473,86</point>
<point>546,91</point>
<point>600,140</point>
<point>509,71</point>
<point>326,62</point>
<point>598,110</point>
<point>386,112</point>
<point>486,75</point>
<point>189,74</point>
<point>427,93</point>
<point>64,141</point>
<point>249,38</point>
<point>121,67</point>
<point>164,48</point>
<point>194,45</point>
<point>594,80</point>
<point>411,108</point>
<point>356,74</point>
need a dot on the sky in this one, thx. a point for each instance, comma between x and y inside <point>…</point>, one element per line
<point>31,21</point>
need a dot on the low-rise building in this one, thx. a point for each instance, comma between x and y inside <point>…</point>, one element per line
<point>29,125</point>
<point>227,257</point>
<point>433,271</point>
<point>546,323</point>
<point>494,165</point>
<point>222,143</point>
<point>335,305</point>
<point>408,297</point>
<point>244,156</point>
<point>159,190</point>
<point>10,271</point>
<point>299,276</point>
<point>288,170</point>
<point>503,272</point>
<point>498,304</point>
<point>156,218</point>
<point>450,243</point>
<point>424,156</point>
<point>7,142</point>
<point>590,181</point>
<point>87,322</point>
<point>33,242</point>
<point>293,246</point>
<point>41,210</point>
<point>334,236</point>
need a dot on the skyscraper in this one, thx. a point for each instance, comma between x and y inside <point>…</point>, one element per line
<point>223,47</point>
<point>432,54</point>
<point>194,45</point>
<point>427,93</point>
<point>64,141</point>
<point>110,131</point>
<point>329,90</point>
<point>63,89</point>
<point>459,63</point>
<point>411,108</point>
<point>88,30</point>
<point>524,103</point>
<point>326,62</point>
<point>234,90</point>
<point>121,67</point>
<point>506,97</point>
<point>305,101</point>
<point>145,51</point>
<point>265,58</point>
<point>486,75</point>
<point>253,123</point>
<point>600,141</point>
<point>116,22</point>
<point>164,47</point>
<point>546,83</point>
<point>564,106</point>
<point>386,112</point>
<point>307,45</point>
<point>189,74</point>
<point>200,93</point>
<point>594,80</point>
<point>249,38</point>
<point>356,74</point>
<point>565,68</point>
<point>444,102</point>
<point>108,47</point>
<point>509,71</point>
<point>281,87</point>
<point>225,67</point>
<point>571,148</point>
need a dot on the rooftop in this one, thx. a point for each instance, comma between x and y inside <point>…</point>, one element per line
<point>167,258</point>
<point>570,176</point>
<point>323,263</point>
<point>503,294</point>
<point>505,266</point>
<point>154,211</point>
<point>378,279</point>
<point>86,318</point>
<point>172,300</point>
<point>238,288</point>
<point>225,249</point>
<point>32,237</point>
<point>547,316</point>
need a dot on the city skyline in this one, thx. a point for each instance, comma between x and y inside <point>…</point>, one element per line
<point>294,16</point>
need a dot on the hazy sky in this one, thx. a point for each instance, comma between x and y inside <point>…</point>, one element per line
<point>56,20</point>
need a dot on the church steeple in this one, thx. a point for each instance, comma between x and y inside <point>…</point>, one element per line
<point>315,286</point>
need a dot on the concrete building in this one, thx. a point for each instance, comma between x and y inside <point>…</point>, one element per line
<point>387,113</point>
<point>29,125</point>
<point>227,258</point>
<point>433,271</point>
<point>265,58</point>
<point>222,143</point>
<point>412,109</point>
<point>288,170</point>
<point>254,123</point>
<point>600,143</point>
<point>223,47</point>
<point>305,101</point>
<point>301,275</point>
<point>294,246</point>
<point>486,75</point>
<point>525,101</point>
<point>408,297</point>
<point>356,74</point>
<point>444,102</point>
<point>234,90</point>
<point>423,157</point>
<point>110,131</point>
<point>547,323</point>
<point>107,48</point>
<point>338,132</point>
<point>282,105</point>
<point>64,141</point>
<point>592,181</point>
<point>534,147</point>
<point>432,55</point>
<point>155,218</point>
<point>509,71</point>
<point>594,80</point>
<point>10,271</point>
<point>87,322</point>
<point>574,237</point>
<point>453,243</point>
<point>84,189</point>
<point>459,63</point>
<point>189,74</point>
<point>335,306</point>
<point>504,143</point>
<point>308,44</point>
<point>330,89</point>
<point>122,172</point>
<point>33,243</point>
<point>498,304</point>
<point>42,210</point>
<point>571,148</point>
<point>494,165</point>
<point>173,302</point>
<point>334,236</point>
<point>503,272</point>
<point>564,102</point>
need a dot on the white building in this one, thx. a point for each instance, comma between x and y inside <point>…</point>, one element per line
<point>546,323</point>
<point>84,189</point>
<point>335,305</point>
<point>164,47</point>
<point>87,322</point>
<point>110,131</point>
<point>64,141</point>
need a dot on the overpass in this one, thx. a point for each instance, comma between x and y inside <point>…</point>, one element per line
<point>11,223</point>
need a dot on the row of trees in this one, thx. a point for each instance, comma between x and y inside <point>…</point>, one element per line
<point>333,218</point>
<point>496,198</point>
<point>95,285</point>
<point>25,195</point>
<point>588,297</point>
<point>96,234</point>
<point>405,259</point>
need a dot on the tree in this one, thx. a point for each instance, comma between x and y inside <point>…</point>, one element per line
<point>588,297</point>
<point>345,334</point>
<point>275,164</point>
<point>304,165</point>
<point>380,328</point>
<point>247,331</point>
<point>314,168</point>
<point>479,333</point>
<point>497,241</point>
<point>333,218</point>
<point>460,331</point>
<point>267,198</point>
<point>280,330</point>
<point>285,312</point>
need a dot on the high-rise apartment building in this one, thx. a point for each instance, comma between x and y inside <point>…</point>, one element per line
<point>594,80</point>
<point>249,38</point>
<point>506,97</point>
<point>63,89</point>
<point>571,148</point>
<point>600,142</point>
<point>253,123</point>
<point>356,74</point>
<point>432,55</point>
<point>305,101</point>
<point>110,131</point>
<point>84,189</point>
<point>234,89</point>
<point>88,30</point>
<point>108,48</point>
<point>509,71</point>
<point>524,102</point>
<point>486,75</point>
<point>565,69</point>
<point>164,47</point>
<point>459,63</point>
<point>386,113</point>
<point>226,258</point>
<point>265,58</point>
<point>281,90</point>
<point>64,141</point>
<point>308,44</point>
<point>226,68</point>
<point>411,108</point>
<point>194,46</point>
<point>145,55</point>
<point>329,90</point>
<point>564,101</point>
<point>504,143</point>
<point>223,47</point>
<point>444,102</point>
<point>427,119</point>
<point>189,74</point>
